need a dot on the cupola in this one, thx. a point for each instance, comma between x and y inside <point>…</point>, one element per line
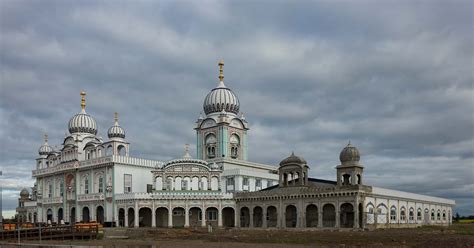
<point>82,122</point>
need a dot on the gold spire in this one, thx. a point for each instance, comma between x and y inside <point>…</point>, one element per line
<point>45,138</point>
<point>186,148</point>
<point>221,70</point>
<point>116,117</point>
<point>83,100</point>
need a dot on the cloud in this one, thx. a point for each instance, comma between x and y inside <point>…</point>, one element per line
<point>395,79</point>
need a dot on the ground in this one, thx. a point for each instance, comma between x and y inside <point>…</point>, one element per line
<point>457,235</point>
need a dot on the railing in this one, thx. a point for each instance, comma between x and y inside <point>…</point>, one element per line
<point>52,200</point>
<point>174,194</point>
<point>90,197</point>
<point>78,231</point>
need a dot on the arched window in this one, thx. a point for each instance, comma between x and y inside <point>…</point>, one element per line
<point>444,215</point>
<point>432,214</point>
<point>346,179</point>
<point>101,184</point>
<point>211,145</point>
<point>121,150</point>
<point>393,213</point>
<point>359,179</point>
<point>411,215</point>
<point>86,185</point>
<point>234,145</point>
<point>418,214</point>
<point>109,150</point>
<point>402,214</point>
<point>438,215</point>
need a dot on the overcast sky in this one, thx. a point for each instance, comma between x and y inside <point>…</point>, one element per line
<point>393,77</point>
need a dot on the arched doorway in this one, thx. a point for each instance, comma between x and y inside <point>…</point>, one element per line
<point>72,216</point>
<point>329,215</point>
<point>347,215</point>
<point>272,217</point>
<point>100,214</point>
<point>60,215</point>
<point>311,216</point>
<point>212,216</point>
<point>131,217</point>
<point>161,217</point>
<point>49,215</point>
<point>244,217</point>
<point>195,217</point>
<point>228,217</point>
<point>257,217</point>
<point>291,216</point>
<point>85,214</point>
<point>144,217</point>
<point>121,217</point>
<point>178,217</point>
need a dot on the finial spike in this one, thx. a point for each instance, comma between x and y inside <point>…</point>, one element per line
<point>186,152</point>
<point>45,138</point>
<point>221,70</point>
<point>116,117</point>
<point>83,100</point>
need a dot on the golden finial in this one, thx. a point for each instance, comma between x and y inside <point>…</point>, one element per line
<point>83,100</point>
<point>116,117</point>
<point>186,148</point>
<point>45,138</point>
<point>221,70</point>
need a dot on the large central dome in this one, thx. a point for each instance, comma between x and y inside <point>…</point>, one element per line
<point>82,122</point>
<point>221,97</point>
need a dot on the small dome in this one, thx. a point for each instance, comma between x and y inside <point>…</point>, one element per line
<point>82,122</point>
<point>24,193</point>
<point>221,98</point>
<point>349,154</point>
<point>116,131</point>
<point>45,149</point>
<point>293,159</point>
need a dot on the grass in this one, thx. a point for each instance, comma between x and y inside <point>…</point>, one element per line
<point>466,221</point>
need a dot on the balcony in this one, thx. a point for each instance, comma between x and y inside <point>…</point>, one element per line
<point>91,197</point>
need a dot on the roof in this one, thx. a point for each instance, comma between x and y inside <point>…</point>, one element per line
<point>311,180</point>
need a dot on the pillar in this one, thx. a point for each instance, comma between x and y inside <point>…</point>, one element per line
<point>264,217</point>
<point>237,217</point>
<point>219,216</point>
<point>356,212</point>
<point>126,217</point>
<point>153,217</point>
<point>137,221</point>
<point>203,217</point>
<point>251,217</point>
<point>170,217</point>
<point>186,217</point>
<point>320,216</point>
<point>338,213</point>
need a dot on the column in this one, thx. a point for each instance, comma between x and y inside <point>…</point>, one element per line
<point>320,215</point>
<point>264,217</point>
<point>203,217</point>
<point>186,216</point>
<point>356,212</point>
<point>219,216</point>
<point>337,217</point>
<point>170,217</point>
<point>237,217</point>
<point>126,218</point>
<point>250,216</point>
<point>153,216</point>
<point>137,220</point>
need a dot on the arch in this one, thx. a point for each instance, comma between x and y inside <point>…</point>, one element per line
<point>214,183</point>
<point>244,217</point>
<point>426,217</point>
<point>195,183</point>
<point>419,214</point>
<point>346,179</point>
<point>444,215</point>
<point>85,214</point>
<point>186,183</point>
<point>121,150</point>
<point>177,183</point>
<point>49,215</point>
<point>257,216</point>
<point>329,215</point>
<point>212,216</point>
<point>178,217</point>
<point>109,150</point>
<point>359,179</point>
<point>291,216</point>
<point>60,215</point>
<point>203,185</point>
<point>403,214</point>
<point>210,142</point>
<point>438,215</point>
<point>144,217</point>
<point>72,216</point>
<point>131,217</point>
<point>195,217</point>
<point>272,216</point>
<point>100,214</point>
<point>411,214</point>
<point>312,215</point>
<point>161,217</point>
<point>158,183</point>
<point>347,215</point>
<point>228,217</point>
<point>432,215</point>
<point>121,217</point>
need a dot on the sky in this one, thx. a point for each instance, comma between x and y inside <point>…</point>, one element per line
<point>393,77</point>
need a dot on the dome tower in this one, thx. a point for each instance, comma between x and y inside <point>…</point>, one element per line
<point>82,122</point>
<point>349,172</point>
<point>221,133</point>
<point>117,144</point>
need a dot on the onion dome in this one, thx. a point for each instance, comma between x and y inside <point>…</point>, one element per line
<point>293,159</point>
<point>24,193</point>
<point>45,149</point>
<point>116,131</point>
<point>82,122</point>
<point>221,98</point>
<point>349,154</point>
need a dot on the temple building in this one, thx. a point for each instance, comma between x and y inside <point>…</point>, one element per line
<point>92,179</point>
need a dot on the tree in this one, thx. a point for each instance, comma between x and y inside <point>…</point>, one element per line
<point>457,217</point>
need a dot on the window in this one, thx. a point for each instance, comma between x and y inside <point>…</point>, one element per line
<point>371,210</point>
<point>61,189</point>
<point>245,181</point>
<point>258,183</point>
<point>199,215</point>
<point>169,183</point>
<point>438,216</point>
<point>234,152</point>
<point>432,215</point>
<point>86,185</point>
<point>127,183</point>
<point>402,214</point>
<point>178,212</point>
<point>101,184</point>
<point>230,181</point>
<point>50,190</point>
<point>212,215</point>
<point>411,214</point>
<point>444,215</point>
<point>184,185</point>
<point>393,213</point>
